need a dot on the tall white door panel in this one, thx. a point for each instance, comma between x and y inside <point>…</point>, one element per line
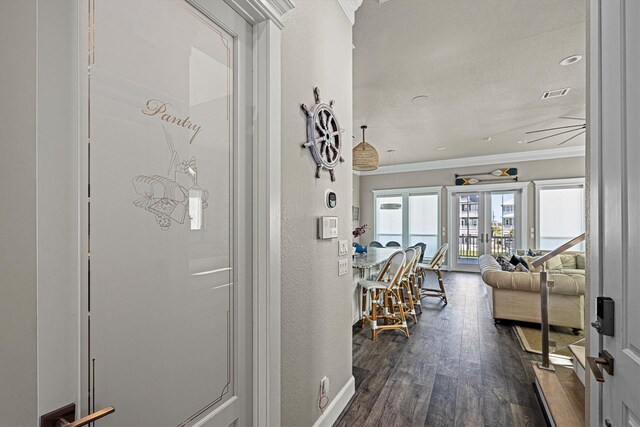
<point>167,271</point>
<point>615,152</point>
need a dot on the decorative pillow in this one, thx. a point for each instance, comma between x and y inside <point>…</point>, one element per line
<point>518,260</point>
<point>554,263</point>
<point>531,252</point>
<point>505,265</point>
<point>568,261</point>
<point>581,261</point>
<point>522,268</point>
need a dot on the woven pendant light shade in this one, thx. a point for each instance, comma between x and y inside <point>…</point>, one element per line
<point>365,157</point>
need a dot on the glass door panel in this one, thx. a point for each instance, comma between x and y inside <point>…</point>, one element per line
<point>468,230</point>
<point>503,223</point>
<point>163,286</point>
<point>389,219</point>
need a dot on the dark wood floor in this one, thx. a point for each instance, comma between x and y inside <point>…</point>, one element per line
<point>456,369</point>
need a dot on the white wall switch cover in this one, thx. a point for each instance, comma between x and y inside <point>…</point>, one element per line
<point>343,247</point>
<point>328,227</point>
<point>343,267</point>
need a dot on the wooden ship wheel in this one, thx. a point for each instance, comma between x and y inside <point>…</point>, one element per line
<point>324,136</point>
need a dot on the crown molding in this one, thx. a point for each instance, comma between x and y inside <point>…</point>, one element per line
<point>524,156</point>
<point>256,11</point>
<point>350,7</point>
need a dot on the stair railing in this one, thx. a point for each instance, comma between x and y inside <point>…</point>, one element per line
<point>545,284</point>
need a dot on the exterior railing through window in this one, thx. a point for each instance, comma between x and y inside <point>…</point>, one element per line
<point>468,246</point>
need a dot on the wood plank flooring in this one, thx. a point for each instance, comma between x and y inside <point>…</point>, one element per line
<point>456,369</point>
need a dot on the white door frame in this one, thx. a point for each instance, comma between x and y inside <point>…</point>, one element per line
<point>452,190</point>
<point>593,186</point>
<point>265,16</point>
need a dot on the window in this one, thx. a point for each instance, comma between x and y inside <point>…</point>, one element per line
<point>388,221</point>
<point>417,220</point>
<point>561,212</point>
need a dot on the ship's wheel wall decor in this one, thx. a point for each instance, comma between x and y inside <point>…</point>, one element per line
<point>324,136</point>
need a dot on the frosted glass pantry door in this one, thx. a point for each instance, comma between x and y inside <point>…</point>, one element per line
<point>163,299</point>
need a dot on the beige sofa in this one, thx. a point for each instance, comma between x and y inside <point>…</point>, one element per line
<point>516,295</point>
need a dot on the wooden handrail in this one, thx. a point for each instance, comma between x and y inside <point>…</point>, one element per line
<point>560,249</point>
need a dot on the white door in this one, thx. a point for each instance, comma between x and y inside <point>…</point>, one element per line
<point>615,201</point>
<point>166,290</point>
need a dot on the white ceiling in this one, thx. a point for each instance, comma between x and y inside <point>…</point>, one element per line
<point>483,64</point>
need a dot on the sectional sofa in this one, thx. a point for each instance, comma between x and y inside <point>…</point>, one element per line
<point>516,295</point>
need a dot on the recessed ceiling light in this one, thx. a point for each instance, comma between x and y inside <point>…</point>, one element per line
<point>419,98</point>
<point>441,148</point>
<point>519,142</point>
<point>487,139</point>
<point>571,59</point>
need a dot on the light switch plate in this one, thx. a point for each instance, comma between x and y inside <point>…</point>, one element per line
<point>343,247</point>
<point>343,267</point>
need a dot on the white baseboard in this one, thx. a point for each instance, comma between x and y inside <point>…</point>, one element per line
<point>333,411</point>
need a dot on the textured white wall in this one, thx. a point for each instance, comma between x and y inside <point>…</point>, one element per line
<point>18,388</point>
<point>316,303</point>
<point>573,167</point>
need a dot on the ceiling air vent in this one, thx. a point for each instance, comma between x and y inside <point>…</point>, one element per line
<point>555,93</point>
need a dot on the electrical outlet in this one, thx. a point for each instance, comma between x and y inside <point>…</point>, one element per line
<point>343,267</point>
<point>343,247</point>
<point>324,386</point>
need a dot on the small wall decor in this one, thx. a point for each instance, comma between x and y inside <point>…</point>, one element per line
<point>170,198</point>
<point>324,136</point>
<point>510,173</point>
<point>355,213</point>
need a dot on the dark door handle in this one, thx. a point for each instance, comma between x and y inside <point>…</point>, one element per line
<point>605,360</point>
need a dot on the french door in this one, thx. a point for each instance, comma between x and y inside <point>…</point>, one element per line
<point>167,268</point>
<point>483,222</point>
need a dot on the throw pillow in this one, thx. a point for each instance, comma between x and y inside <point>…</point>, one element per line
<point>518,260</point>
<point>505,265</point>
<point>531,252</point>
<point>581,261</point>
<point>522,268</point>
<point>554,263</point>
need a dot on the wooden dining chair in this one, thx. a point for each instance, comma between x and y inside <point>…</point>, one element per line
<point>409,296</point>
<point>393,244</point>
<point>375,244</point>
<point>423,249</point>
<point>435,265</point>
<point>385,297</point>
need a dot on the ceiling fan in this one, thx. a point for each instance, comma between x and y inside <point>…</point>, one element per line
<point>563,130</point>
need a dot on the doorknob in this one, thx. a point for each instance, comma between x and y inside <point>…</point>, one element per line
<point>61,416</point>
<point>606,360</point>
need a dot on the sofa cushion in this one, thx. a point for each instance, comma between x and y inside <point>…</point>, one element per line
<point>554,263</point>
<point>568,261</point>
<point>581,261</point>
